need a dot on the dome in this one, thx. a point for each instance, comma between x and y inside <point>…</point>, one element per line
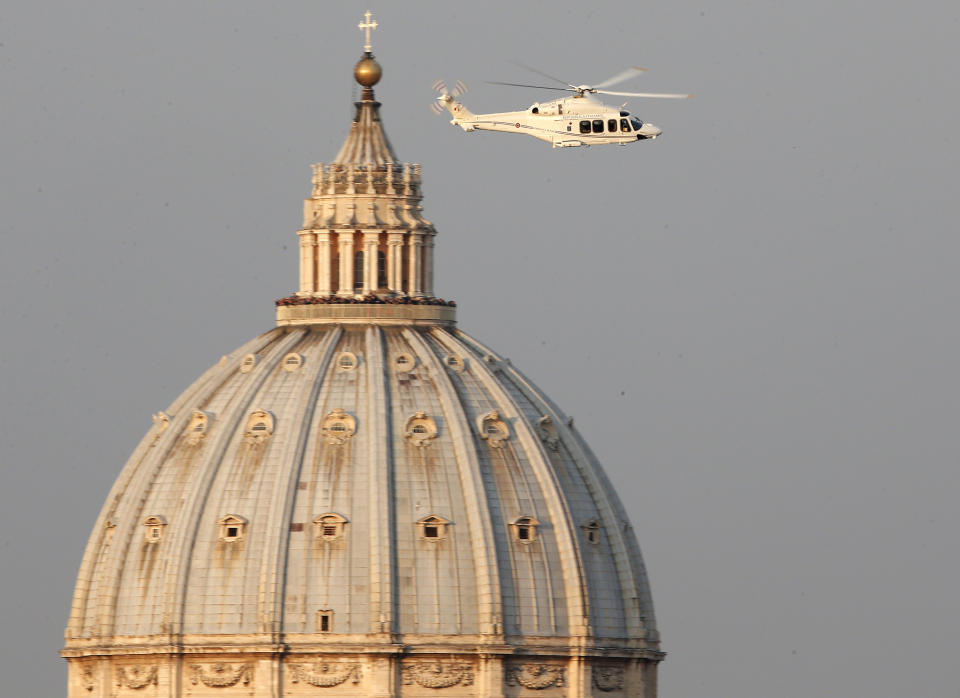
<point>363,500</point>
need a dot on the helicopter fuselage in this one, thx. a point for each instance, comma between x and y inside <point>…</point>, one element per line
<point>569,122</point>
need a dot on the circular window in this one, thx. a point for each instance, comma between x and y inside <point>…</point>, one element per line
<point>404,362</point>
<point>249,361</point>
<point>292,362</point>
<point>454,362</point>
<point>347,361</point>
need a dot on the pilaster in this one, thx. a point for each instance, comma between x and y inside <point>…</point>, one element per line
<point>428,263</point>
<point>414,282</point>
<point>324,261</point>
<point>345,240</point>
<point>308,266</point>
<point>371,240</point>
<point>395,262</point>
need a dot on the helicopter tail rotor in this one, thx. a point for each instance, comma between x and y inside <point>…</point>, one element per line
<point>438,105</point>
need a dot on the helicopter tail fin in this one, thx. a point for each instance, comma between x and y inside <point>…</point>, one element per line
<point>456,109</point>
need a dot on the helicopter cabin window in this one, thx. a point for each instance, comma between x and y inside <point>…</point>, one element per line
<point>569,127</point>
<point>624,113</point>
<point>584,126</point>
<point>624,125</point>
<point>612,125</point>
<point>637,124</point>
<point>560,109</point>
<point>598,125</point>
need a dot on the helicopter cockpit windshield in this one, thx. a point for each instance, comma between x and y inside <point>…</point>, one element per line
<point>636,123</point>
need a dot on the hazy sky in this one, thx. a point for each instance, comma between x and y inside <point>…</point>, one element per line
<point>753,318</point>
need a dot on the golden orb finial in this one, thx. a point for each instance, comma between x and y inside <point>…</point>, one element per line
<point>367,71</point>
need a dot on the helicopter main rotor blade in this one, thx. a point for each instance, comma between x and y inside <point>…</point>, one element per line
<point>644,94</point>
<point>538,87</point>
<point>620,77</point>
<point>540,72</point>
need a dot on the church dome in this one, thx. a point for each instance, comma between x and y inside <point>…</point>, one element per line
<point>364,500</point>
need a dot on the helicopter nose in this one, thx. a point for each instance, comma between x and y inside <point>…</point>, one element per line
<point>648,131</point>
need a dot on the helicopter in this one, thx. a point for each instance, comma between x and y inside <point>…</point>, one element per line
<point>567,122</point>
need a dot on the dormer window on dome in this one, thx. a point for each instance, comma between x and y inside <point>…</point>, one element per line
<point>248,362</point>
<point>232,528</point>
<point>338,426</point>
<point>525,529</point>
<point>454,363</point>
<point>329,527</point>
<point>433,528</point>
<point>292,362</point>
<point>153,528</point>
<point>259,426</point>
<point>198,426</point>
<point>493,429</point>
<point>347,361</point>
<point>324,622</point>
<point>404,363</point>
<point>591,531</point>
<point>420,429</point>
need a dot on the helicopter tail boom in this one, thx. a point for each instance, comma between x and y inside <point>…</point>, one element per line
<point>459,112</point>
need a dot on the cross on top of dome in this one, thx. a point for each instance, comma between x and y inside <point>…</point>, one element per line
<point>365,27</point>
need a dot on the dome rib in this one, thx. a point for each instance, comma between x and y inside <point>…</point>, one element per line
<point>273,570</point>
<point>640,622</point>
<point>383,550</point>
<point>367,142</point>
<point>183,540</point>
<point>577,601</point>
<point>489,595</point>
<point>139,476</point>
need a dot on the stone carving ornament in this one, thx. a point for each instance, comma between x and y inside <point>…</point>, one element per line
<point>548,433</point>
<point>338,426</point>
<point>535,676</point>
<point>221,674</point>
<point>420,429</point>
<point>87,677</point>
<point>136,676</point>
<point>492,428</point>
<point>608,678</point>
<point>438,674</point>
<point>325,674</point>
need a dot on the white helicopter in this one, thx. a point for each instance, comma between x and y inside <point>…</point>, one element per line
<point>566,122</point>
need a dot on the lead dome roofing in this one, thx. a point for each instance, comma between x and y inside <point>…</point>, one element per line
<point>381,573</point>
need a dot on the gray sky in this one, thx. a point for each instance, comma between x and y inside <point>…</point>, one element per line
<point>753,318</point>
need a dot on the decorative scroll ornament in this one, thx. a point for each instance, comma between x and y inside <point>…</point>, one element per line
<point>438,674</point>
<point>162,420</point>
<point>338,426</point>
<point>608,678</point>
<point>420,429</point>
<point>325,674</point>
<point>136,676</point>
<point>198,426</point>
<point>221,674</point>
<point>548,433</point>
<point>88,679</point>
<point>493,429</point>
<point>536,676</point>
<point>259,426</point>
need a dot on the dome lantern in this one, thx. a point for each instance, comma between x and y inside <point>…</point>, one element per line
<point>366,251</point>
